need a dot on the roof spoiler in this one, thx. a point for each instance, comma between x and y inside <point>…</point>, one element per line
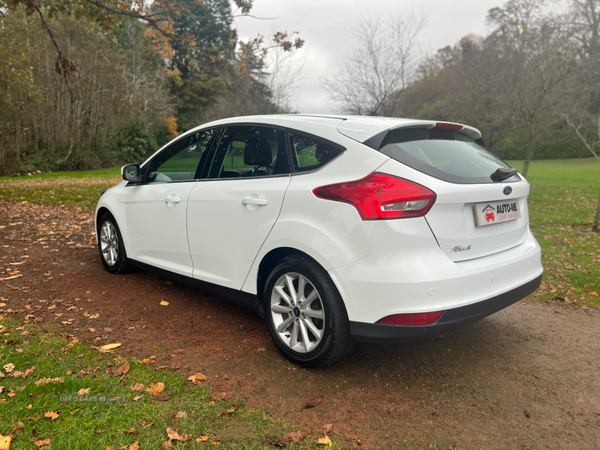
<point>375,141</point>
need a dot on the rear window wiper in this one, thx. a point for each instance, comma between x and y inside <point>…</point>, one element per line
<point>502,174</point>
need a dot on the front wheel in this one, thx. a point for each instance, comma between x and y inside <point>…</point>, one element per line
<point>305,313</point>
<point>110,244</point>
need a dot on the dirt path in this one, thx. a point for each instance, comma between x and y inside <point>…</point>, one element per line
<point>527,377</point>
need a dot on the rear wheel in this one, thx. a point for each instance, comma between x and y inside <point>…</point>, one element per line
<point>305,313</point>
<point>110,244</point>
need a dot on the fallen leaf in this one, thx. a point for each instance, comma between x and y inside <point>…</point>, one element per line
<point>228,412</point>
<point>221,396</point>
<point>146,424</point>
<point>451,447</point>
<point>85,391</point>
<point>135,399</point>
<point>197,378</point>
<point>163,398</point>
<point>9,367</point>
<point>134,446</point>
<point>155,389</point>
<point>216,442</point>
<point>18,429</point>
<point>11,278</point>
<point>51,414</point>
<point>294,436</point>
<point>324,441</point>
<point>108,347</point>
<point>163,303</point>
<point>28,372</point>
<point>5,442</point>
<point>49,380</point>
<point>200,439</point>
<point>132,431</point>
<point>314,402</point>
<point>34,419</point>
<point>150,360</point>
<point>122,371</point>
<point>166,444</point>
<point>175,436</point>
<point>181,415</point>
<point>137,387</point>
<point>41,442</point>
<point>328,428</point>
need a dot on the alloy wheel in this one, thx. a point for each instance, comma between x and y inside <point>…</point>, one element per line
<point>297,312</point>
<point>109,243</point>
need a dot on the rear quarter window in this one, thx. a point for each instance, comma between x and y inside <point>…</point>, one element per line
<point>309,153</point>
<point>447,155</point>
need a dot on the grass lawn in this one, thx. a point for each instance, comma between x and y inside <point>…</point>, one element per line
<point>562,205</point>
<point>69,189</point>
<point>52,387</point>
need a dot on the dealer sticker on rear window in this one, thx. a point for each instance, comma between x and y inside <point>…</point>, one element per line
<point>496,212</point>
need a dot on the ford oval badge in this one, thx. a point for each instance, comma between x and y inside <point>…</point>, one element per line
<point>507,190</point>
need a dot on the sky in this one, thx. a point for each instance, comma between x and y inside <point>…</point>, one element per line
<point>326,26</point>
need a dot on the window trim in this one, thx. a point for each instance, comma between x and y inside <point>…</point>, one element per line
<point>295,170</point>
<point>201,164</point>
<point>247,124</point>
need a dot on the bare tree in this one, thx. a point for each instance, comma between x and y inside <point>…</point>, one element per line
<point>381,67</point>
<point>282,78</point>
<point>536,67</point>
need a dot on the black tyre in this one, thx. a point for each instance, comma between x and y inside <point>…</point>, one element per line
<point>110,245</point>
<point>305,313</point>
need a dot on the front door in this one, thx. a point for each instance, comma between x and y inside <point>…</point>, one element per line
<point>156,210</point>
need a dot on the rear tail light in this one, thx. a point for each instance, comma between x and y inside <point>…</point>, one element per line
<point>412,319</point>
<point>381,196</point>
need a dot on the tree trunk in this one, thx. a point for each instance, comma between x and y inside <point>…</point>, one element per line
<point>531,145</point>
<point>595,225</point>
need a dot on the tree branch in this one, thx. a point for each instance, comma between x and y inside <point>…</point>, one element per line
<point>146,18</point>
<point>255,17</point>
<point>579,135</point>
<point>60,57</point>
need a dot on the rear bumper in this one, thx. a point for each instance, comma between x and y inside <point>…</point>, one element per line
<point>450,319</point>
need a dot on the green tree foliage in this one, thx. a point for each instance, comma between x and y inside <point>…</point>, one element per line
<point>18,96</point>
<point>202,51</point>
<point>115,87</point>
<point>113,78</point>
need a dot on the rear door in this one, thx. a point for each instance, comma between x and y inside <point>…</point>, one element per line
<point>475,213</point>
<point>232,211</point>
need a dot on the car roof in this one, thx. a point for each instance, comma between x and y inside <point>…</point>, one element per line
<point>358,128</point>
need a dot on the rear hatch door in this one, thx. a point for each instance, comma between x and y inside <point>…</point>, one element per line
<point>481,205</point>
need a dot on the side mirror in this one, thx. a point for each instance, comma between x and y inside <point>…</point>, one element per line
<point>132,172</point>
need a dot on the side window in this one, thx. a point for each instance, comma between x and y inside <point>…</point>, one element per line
<point>309,153</point>
<point>250,151</point>
<point>181,161</point>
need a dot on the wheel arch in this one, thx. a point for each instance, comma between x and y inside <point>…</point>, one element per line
<point>270,261</point>
<point>99,213</point>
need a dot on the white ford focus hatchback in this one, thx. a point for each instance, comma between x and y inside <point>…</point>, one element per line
<point>334,229</point>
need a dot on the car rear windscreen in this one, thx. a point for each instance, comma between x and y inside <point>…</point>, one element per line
<point>446,155</point>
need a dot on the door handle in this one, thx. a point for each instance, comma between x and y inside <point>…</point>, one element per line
<point>254,201</point>
<point>172,199</point>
